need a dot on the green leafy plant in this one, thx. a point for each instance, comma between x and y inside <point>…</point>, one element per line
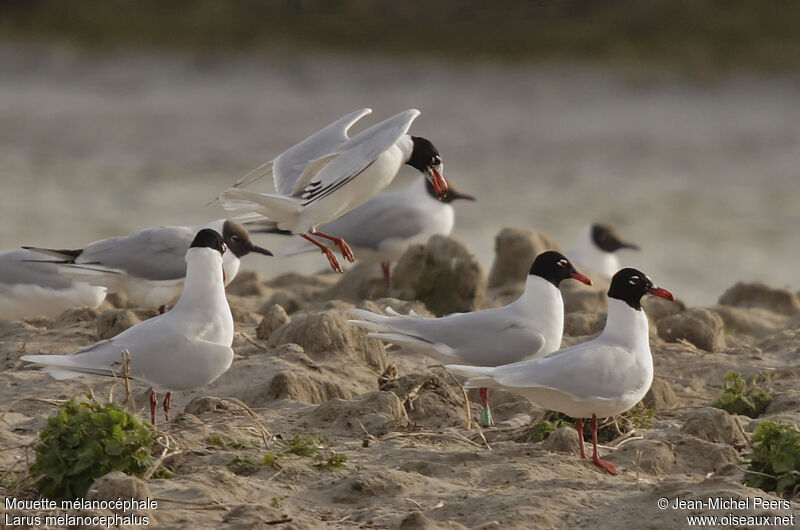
<point>271,459</point>
<point>333,461</point>
<point>244,465</point>
<point>300,445</point>
<point>223,442</point>
<point>736,398</point>
<point>638,417</point>
<point>310,447</point>
<point>775,458</point>
<point>544,427</point>
<point>86,440</point>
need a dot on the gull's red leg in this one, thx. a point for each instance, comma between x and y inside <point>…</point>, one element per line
<point>325,250</point>
<point>387,273</point>
<point>344,248</point>
<point>487,414</point>
<point>608,466</point>
<point>153,405</point>
<point>579,428</point>
<point>167,401</point>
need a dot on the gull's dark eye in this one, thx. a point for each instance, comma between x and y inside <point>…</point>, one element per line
<point>435,161</point>
<point>562,263</point>
<point>634,280</point>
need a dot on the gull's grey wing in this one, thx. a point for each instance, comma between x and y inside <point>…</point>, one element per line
<point>25,267</point>
<point>486,337</point>
<point>586,370</point>
<point>378,220</point>
<point>289,165</point>
<point>153,254</point>
<point>357,154</point>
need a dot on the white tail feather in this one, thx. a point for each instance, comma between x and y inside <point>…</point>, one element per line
<point>282,209</point>
<point>477,376</point>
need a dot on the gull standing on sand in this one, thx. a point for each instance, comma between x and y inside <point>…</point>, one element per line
<point>530,326</point>
<point>328,174</point>
<point>185,348</point>
<point>382,228</point>
<point>29,289</point>
<point>603,377</point>
<point>595,249</point>
<point>149,266</point>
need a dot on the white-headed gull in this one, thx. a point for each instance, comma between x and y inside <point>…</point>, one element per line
<point>149,266</point>
<point>329,173</point>
<point>381,229</point>
<point>28,288</point>
<point>602,377</point>
<point>185,348</point>
<point>595,248</point>
<point>530,326</point>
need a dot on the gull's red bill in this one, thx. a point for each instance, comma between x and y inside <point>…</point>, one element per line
<point>439,183</point>
<point>581,278</point>
<point>662,293</point>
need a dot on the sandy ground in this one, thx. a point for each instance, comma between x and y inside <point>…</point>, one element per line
<point>411,460</point>
<point>701,173</point>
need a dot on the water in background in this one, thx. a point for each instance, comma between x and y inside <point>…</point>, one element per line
<point>703,176</point>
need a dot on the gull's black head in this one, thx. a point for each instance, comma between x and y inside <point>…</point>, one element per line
<point>607,238</point>
<point>630,285</point>
<point>426,158</point>
<point>554,266</point>
<point>238,240</point>
<point>452,195</point>
<point>209,238</point>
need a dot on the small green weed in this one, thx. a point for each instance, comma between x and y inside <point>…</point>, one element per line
<point>244,465</point>
<point>85,440</point>
<point>776,453</point>
<point>333,461</point>
<point>223,442</point>
<point>271,459</point>
<point>736,398</point>
<point>300,445</point>
<point>638,417</point>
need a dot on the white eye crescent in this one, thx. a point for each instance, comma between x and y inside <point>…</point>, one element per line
<point>224,248</point>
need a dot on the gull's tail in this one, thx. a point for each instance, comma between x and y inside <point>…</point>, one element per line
<point>64,255</point>
<point>477,376</point>
<point>280,208</point>
<point>64,366</point>
<point>398,329</point>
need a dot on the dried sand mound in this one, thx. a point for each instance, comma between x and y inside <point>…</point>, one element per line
<point>325,334</point>
<point>443,274</point>
<point>364,281</point>
<point>746,295</point>
<point>701,327</point>
<point>376,412</point>
<point>428,400</point>
<point>515,249</point>
<point>715,425</point>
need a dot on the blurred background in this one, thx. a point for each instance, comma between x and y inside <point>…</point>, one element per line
<point>677,121</point>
